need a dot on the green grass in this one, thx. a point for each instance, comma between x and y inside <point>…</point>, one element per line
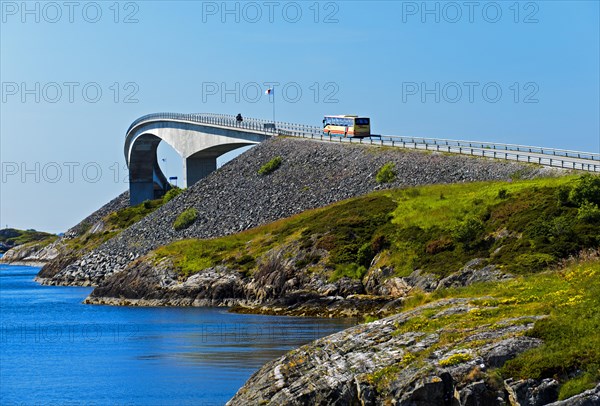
<point>171,194</point>
<point>460,226</point>
<point>128,216</point>
<point>570,334</point>
<point>270,166</point>
<point>185,219</point>
<point>386,174</point>
<point>191,256</point>
<point>521,227</point>
<point>342,228</point>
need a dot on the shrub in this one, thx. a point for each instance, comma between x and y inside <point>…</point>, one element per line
<point>467,231</point>
<point>386,174</point>
<point>353,271</point>
<point>455,359</point>
<point>588,212</point>
<point>502,194</point>
<point>270,166</point>
<point>586,190</point>
<point>518,175</point>
<point>171,194</point>
<point>439,245</point>
<point>577,385</point>
<point>365,254</point>
<point>307,259</point>
<point>244,263</point>
<point>127,216</point>
<point>533,262</point>
<point>185,219</point>
<point>562,195</point>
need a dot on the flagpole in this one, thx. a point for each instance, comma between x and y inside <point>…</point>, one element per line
<point>273,104</point>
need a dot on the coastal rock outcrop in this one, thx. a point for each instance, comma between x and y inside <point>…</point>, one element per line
<point>383,363</point>
<point>34,254</point>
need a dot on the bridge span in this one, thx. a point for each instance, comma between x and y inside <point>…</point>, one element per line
<point>201,138</point>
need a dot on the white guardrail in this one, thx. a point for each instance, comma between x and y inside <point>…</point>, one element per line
<point>553,157</point>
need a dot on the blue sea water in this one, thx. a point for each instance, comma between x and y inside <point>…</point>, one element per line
<point>56,351</point>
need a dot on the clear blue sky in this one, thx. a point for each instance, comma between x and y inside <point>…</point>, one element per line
<point>387,60</point>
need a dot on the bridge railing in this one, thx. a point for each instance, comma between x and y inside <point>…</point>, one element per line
<point>224,120</point>
<point>498,146</point>
<point>540,159</point>
<point>554,157</point>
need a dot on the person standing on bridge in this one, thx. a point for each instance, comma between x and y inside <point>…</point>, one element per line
<point>239,118</point>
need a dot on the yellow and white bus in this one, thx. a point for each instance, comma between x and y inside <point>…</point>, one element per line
<point>347,126</point>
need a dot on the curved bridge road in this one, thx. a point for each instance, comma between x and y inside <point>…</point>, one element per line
<point>201,138</point>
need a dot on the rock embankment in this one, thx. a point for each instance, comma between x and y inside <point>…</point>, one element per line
<point>385,363</point>
<point>118,203</point>
<point>312,174</point>
<point>63,254</point>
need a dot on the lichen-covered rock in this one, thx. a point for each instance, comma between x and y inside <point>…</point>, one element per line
<point>531,392</point>
<point>377,363</point>
<point>473,272</point>
<point>382,282</point>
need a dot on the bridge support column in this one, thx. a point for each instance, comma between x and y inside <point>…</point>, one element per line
<point>196,168</point>
<point>140,191</point>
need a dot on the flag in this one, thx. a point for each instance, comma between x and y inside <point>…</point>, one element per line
<point>269,91</point>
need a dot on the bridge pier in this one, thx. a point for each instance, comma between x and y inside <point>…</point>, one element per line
<point>196,168</point>
<point>140,191</point>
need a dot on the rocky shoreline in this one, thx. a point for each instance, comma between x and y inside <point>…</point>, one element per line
<point>381,363</point>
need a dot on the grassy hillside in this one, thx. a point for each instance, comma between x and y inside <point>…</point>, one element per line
<point>520,226</point>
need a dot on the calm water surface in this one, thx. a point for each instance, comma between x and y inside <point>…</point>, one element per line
<point>57,351</point>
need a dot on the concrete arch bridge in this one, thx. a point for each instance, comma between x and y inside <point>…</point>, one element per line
<point>198,138</point>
